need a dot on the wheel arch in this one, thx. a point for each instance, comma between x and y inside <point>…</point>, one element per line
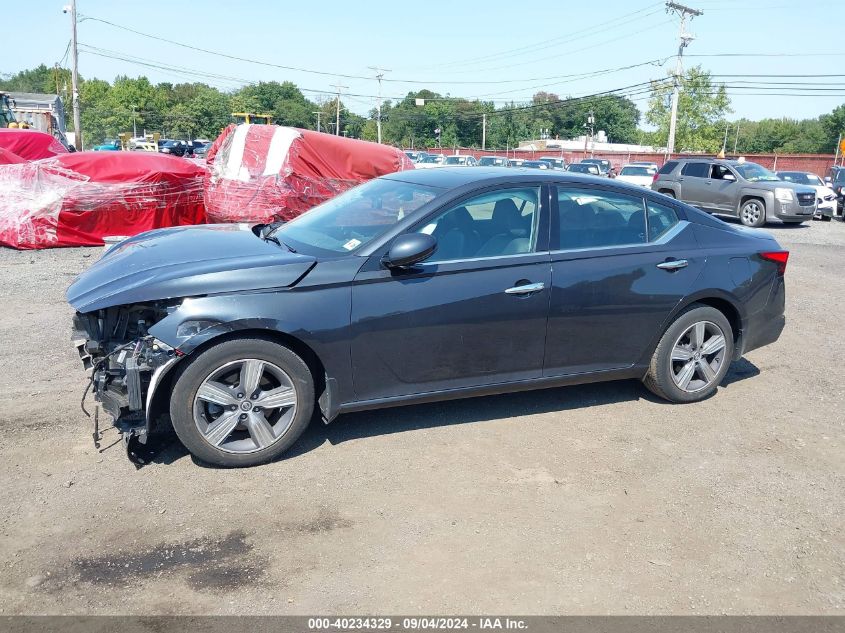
<point>722,301</point>
<point>324,386</point>
<point>767,198</point>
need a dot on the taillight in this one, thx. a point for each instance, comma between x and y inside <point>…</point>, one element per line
<point>654,178</point>
<point>778,257</point>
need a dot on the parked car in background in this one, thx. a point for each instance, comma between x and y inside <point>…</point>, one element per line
<point>584,168</point>
<point>174,148</point>
<point>430,160</point>
<point>201,149</point>
<point>492,161</point>
<point>536,164</point>
<point>637,175</point>
<point>603,164</point>
<point>835,179</point>
<point>193,146</point>
<point>460,161</point>
<point>645,163</point>
<point>112,145</point>
<point>737,188</point>
<point>516,162</point>
<point>554,162</point>
<point>415,287</point>
<point>412,155</point>
<point>825,196</point>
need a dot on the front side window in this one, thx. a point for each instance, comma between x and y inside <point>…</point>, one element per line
<point>355,217</point>
<point>594,219</point>
<point>494,224</point>
<point>718,172</point>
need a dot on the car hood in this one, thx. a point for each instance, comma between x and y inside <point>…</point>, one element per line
<point>771,185</point>
<point>185,262</point>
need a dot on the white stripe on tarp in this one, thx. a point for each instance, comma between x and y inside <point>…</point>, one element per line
<point>278,150</point>
<point>234,163</point>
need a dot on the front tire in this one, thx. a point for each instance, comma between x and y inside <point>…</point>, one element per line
<point>242,402</point>
<point>693,356</point>
<point>753,213</point>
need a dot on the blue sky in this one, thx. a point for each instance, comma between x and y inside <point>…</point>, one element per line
<point>497,50</point>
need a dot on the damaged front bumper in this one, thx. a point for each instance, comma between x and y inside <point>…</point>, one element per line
<point>124,379</point>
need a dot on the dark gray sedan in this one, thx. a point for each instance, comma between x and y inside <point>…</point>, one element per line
<point>414,287</point>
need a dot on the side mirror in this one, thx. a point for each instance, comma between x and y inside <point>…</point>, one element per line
<point>410,249</point>
<point>729,177</point>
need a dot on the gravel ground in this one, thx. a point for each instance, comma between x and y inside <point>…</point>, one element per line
<point>582,500</point>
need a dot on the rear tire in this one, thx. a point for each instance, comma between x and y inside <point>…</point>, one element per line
<point>753,213</point>
<point>667,192</point>
<point>692,357</point>
<point>242,402</point>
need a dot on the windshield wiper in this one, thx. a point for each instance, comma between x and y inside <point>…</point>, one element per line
<point>277,241</point>
<point>267,233</point>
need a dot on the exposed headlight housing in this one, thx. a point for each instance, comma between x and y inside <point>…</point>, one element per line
<point>784,195</point>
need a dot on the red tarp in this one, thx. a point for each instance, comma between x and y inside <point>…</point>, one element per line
<point>30,144</point>
<point>77,199</point>
<point>262,173</point>
<point>8,158</point>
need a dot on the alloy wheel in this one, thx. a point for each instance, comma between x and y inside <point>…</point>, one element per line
<point>697,356</point>
<point>751,213</point>
<point>245,406</point>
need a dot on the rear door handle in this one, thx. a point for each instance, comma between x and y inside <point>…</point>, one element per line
<point>526,289</point>
<point>673,264</point>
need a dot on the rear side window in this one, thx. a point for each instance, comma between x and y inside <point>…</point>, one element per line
<point>594,219</point>
<point>696,170</point>
<point>660,219</point>
<point>668,168</point>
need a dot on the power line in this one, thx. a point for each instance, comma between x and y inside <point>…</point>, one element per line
<point>556,41</point>
<point>348,76</point>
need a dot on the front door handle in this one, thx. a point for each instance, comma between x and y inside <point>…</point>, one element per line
<point>526,289</point>
<point>673,264</point>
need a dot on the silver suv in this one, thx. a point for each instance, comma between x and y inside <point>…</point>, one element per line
<point>738,188</point>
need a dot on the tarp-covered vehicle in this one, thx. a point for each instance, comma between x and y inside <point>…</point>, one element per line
<point>30,144</point>
<point>269,173</point>
<point>78,199</point>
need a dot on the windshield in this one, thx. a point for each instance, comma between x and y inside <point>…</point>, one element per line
<point>431,159</point>
<point>753,172</point>
<point>454,160</point>
<point>355,217</point>
<point>584,169</point>
<point>636,171</point>
<point>489,160</point>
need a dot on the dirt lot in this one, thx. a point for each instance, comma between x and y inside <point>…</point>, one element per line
<point>594,499</point>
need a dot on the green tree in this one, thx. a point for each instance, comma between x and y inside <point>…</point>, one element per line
<point>702,107</point>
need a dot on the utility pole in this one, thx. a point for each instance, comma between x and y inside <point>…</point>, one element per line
<point>318,113</point>
<point>588,130</point>
<point>74,55</point>
<point>736,138</point>
<point>483,131</point>
<point>337,115</point>
<point>685,38</point>
<point>134,127</point>
<point>379,75</point>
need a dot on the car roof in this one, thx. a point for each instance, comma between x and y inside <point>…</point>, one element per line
<point>450,178</point>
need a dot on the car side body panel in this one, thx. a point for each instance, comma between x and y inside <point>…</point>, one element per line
<point>607,302</point>
<point>315,312</point>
